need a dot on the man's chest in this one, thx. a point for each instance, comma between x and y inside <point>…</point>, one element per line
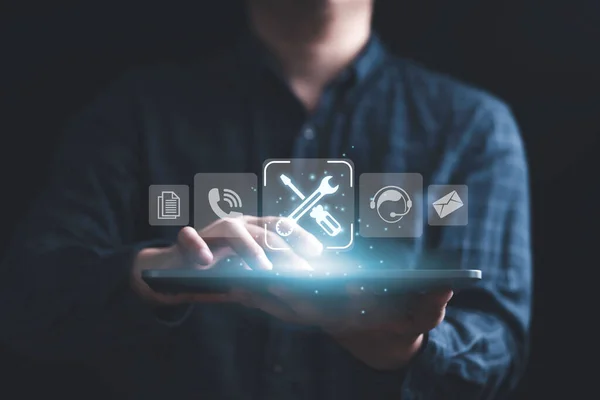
<point>238,137</point>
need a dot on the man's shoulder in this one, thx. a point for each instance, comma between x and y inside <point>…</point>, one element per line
<point>454,111</point>
<point>444,93</point>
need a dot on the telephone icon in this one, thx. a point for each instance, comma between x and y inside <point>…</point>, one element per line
<point>230,197</point>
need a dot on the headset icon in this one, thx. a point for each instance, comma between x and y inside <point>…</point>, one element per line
<point>391,193</point>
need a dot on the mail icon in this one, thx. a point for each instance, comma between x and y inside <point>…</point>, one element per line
<point>448,204</point>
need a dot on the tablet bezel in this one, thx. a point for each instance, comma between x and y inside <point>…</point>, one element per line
<point>173,281</point>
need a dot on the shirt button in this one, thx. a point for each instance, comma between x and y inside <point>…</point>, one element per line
<point>309,133</point>
<point>278,368</point>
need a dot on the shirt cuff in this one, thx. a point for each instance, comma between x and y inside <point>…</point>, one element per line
<point>427,366</point>
<point>427,374</point>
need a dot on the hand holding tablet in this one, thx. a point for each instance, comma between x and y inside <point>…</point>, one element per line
<point>367,311</point>
<point>208,250</point>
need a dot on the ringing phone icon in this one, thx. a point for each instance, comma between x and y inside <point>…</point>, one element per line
<point>230,197</point>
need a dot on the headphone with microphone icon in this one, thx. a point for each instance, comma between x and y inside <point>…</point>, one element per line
<point>391,193</point>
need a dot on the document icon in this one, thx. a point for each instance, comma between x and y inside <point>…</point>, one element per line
<point>169,205</point>
<point>448,204</point>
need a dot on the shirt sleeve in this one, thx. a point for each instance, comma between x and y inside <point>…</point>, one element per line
<point>65,292</point>
<point>479,351</point>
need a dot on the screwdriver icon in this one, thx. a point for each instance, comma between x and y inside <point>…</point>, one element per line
<point>323,218</point>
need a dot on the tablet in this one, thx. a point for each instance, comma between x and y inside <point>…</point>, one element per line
<point>379,281</point>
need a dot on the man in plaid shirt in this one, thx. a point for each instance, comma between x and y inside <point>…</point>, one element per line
<point>311,81</point>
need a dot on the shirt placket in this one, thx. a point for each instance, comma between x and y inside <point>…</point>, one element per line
<point>288,365</point>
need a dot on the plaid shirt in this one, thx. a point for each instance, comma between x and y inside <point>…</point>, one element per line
<point>164,124</point>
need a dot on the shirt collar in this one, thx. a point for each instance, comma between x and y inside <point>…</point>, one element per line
<point>253,53</point>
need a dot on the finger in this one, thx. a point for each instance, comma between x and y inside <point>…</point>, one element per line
<point>268,305</point>
<point>302,305</point>
<point>436,299</point>
<point>369,312</point>
<point>226,258</point>
<point>379,312</point>
<point>429,309</point>
<point>193,247</point>
<point>300,240</point>
<point>234,233</point>
<point>284,257</point>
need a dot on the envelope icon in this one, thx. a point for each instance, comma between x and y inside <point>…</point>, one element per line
<point>446,205</point>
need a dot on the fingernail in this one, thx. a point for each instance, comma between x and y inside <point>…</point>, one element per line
<point>317,246</point>
<point>305,266</point>
<point>206,256</point>
<point>265,262</point>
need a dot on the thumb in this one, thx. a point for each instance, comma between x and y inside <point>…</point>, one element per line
<point>193,248</point>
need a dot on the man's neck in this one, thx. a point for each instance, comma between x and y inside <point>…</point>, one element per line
<point>313,40</point>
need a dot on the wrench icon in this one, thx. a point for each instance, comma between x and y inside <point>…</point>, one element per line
<point>309,202</point>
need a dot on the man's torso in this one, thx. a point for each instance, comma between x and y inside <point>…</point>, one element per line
<point>227,116</point>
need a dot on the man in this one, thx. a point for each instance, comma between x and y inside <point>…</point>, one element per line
<point>313,81</point>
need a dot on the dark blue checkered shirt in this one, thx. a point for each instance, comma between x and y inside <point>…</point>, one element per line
<point>164,124</point>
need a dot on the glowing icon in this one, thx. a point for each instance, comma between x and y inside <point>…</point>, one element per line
<point>315,195</point>
<point>448,204</point>
<point>325,220</point>
<point>230,197</point>
<point>387,194</point>
<point>169,205</point>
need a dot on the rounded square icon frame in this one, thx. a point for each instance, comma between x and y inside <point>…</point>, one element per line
<point>350,166</point>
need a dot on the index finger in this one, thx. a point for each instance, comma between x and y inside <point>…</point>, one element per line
<point>300,240</point>
<point>233,232</point>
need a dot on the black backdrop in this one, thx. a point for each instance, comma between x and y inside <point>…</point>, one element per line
<point>542,57</point>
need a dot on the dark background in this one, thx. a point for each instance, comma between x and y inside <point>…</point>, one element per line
<point>542,57</point>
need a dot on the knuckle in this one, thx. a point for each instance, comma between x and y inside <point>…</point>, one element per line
<point>272,237</point>
<point>433,321</point>
<point>255,252</point>
<point>233,223</point>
